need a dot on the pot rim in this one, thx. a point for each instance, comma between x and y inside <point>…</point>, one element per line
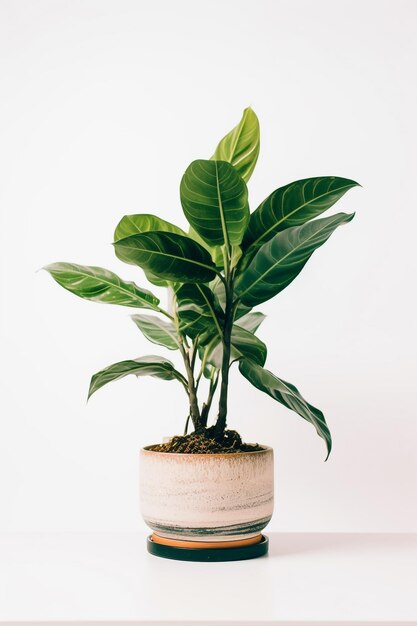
<point>144,450</point>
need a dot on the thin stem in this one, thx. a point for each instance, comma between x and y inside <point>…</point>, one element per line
<point>227,335</point>
<point>194,353</point>
<point>194,410</point>
<point>184,383</point>
<point>197,380</point>
<point>186,424</point>
<point>207,405</point>
<point>165,313</point>
<point>203,363</point>
<point>191,390</point>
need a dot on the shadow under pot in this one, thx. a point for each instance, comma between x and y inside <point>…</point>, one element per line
<point>207,501</point>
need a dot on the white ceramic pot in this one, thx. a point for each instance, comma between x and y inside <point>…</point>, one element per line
<point>207,497</point>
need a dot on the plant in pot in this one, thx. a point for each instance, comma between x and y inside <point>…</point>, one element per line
<point>205,493</point>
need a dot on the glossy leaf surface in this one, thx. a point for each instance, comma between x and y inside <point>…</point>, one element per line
<point>157,331</point>
<point>168,255</point>
<point>281,259</point>
<point>288,395</point>
<point>143,223</point>
<point>151,365</point>
<point>199,312</point>
<point>248,345</point>
<point>214,198</point>
<point>215,252</point>
<point>101,285</point>
<point>293,205</point>
<point>218,289</point>
<point>240,146</point>
<point>243,344</point>
<point>251,321</point>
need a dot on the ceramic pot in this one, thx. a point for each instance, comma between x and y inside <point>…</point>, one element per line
<point>207,497</point>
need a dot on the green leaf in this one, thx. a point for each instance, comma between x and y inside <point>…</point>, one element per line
<point>168,255</point>
<point>217,288</point>
<point>143,223</point>
<point>207,368</point>
<point>240,147</point>
<point>199,312</point>
<point>281,259</point>
<point>101,285</point>
<point>235,256</point>
<point>288,395</point>
<point>251,321</point>
<point>158,331</point>
<point>214,198</point>
<point>214,353</point>
<point>151,365</point>
<point>215,252</point>
<point>293,205</point>
<point>245,343</point>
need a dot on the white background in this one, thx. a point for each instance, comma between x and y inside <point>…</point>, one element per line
<point>103,105</point>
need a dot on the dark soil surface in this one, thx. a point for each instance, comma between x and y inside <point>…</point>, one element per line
<point>207,442</point>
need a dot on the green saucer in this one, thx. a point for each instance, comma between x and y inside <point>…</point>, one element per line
<point>209,554</point>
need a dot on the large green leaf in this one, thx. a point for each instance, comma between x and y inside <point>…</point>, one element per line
<point>240,147</point>
<point>281,259</point>
<point>168,255</point>
<point>293,205</point>
<point>151,365</point>
<point>251,321</point>
<point>158,331</point>
<point>101,285</point>
<point>199,312</point>
<point>288,395</point>
<point>214,198</point>
<point>144,223</point>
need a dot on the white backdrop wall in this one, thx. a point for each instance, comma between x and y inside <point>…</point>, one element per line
<point>103,106</point>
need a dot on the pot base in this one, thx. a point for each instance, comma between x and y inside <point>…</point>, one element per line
<point>208,551</point>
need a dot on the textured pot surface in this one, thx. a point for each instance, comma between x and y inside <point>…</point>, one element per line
<point>213,497</point>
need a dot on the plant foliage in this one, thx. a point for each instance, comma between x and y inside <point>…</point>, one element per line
<point>230,261</point>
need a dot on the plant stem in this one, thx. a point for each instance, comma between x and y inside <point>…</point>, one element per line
<point>194,410</point>
<point>207,405</point>
<point>165,313</point>
<point>227,334</point>
<point>189,368</point>
<point>193,355</point>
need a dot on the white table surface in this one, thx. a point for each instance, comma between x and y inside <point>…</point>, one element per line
<point>321,578</point>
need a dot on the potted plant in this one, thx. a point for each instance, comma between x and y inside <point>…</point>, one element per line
<point>206,493</point>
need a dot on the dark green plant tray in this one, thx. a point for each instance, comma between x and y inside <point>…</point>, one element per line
<point>209,554</point>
